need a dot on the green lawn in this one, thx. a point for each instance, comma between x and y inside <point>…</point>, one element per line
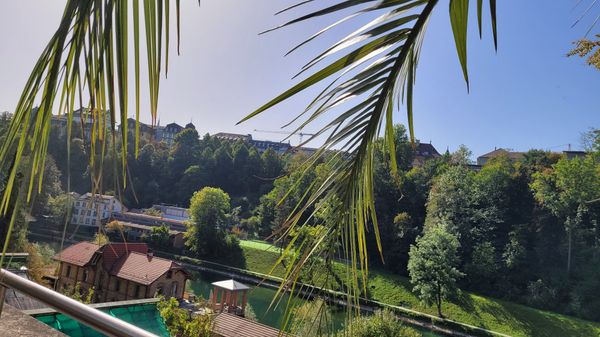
<point>497,315</point>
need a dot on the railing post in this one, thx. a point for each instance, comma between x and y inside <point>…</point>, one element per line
<point>2,296</point>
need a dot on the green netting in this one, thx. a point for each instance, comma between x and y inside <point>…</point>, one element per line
<point>145,316</point>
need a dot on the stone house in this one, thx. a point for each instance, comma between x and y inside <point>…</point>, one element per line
<point>118,272</point>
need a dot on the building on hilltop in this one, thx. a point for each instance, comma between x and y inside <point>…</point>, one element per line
<point>424,152</point>
<point>233,137</point>
<point>169,132</point>
<point>90,209</point>
<point>119,271</point>
<point>511,155</point>
<point>518,156</point>
<point>260,145</point>
<point>83,118</point>
<point>147,132</point>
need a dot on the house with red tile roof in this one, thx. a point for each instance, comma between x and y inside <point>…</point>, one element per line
<point>118,272</point>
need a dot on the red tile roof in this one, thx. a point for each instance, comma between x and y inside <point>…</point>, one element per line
<point>114,251</point>
<point>228,325</point>
<point>142,268</point>
<point>78,254</point>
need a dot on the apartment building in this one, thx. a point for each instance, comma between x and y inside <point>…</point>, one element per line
<point>89,209</point>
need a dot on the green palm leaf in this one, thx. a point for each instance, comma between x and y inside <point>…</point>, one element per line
<point>376,71</point>
<point>85,67</point>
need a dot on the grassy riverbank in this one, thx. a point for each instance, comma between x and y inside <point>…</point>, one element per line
<point>497,315</point>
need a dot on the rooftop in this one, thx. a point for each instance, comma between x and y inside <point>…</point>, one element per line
<point>142,268</point>
<point>228,325</point>
<point>231,285</point>
<point>78,254</point>
<point>129,261</point>
<point>19,300</point>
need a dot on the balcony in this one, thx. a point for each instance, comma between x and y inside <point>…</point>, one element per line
<point>16,323</point>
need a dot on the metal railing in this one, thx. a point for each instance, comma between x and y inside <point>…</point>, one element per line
<point>96,319</point>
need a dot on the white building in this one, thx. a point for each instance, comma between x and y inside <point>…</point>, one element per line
<point>172,212</point>
<point>89,209</point>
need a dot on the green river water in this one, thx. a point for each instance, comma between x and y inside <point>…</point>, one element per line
<point>260,299</point>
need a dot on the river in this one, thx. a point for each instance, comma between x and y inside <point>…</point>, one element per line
<point>260,298</point>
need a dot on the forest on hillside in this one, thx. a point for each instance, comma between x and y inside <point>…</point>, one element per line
<point>527,231</point>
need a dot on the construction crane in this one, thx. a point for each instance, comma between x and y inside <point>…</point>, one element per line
<point>282,132</point>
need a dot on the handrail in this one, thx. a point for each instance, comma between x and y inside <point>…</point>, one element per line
<point>80,312</point>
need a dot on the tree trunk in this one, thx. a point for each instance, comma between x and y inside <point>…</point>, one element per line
<point>569,234</point>
<point>439,300</point>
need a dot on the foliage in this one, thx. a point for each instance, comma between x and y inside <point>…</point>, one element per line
<point>159,237</point>
<point>590,49</point>
<point>100,239</point>
<point>380,324</point>
<point>591,140</point>
<point>59,208</point>
<point>152,212</point>
<point>180,324</point>
<point>433,266</point>
<point>206,235</point>
<point>566,190</point>
<point>312,318</point>
<point>375,71</point>
<point>35,263</point>
<point>517,320</point>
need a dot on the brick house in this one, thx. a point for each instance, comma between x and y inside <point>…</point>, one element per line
<point>119,271</point>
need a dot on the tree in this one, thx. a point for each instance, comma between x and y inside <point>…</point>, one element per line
<point>209,208</point>
<point>566,191</point>
<point>312,318</point>
<point>432,266</point>
<point>159,237</point>
<point>590,49</point>
<point>383,58</point>
<point>180,323</point>
<point>381,324</point>
<point>100,239</point>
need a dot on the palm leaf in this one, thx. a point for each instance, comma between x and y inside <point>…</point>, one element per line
<point>85,67</point>
<point>369,70</point>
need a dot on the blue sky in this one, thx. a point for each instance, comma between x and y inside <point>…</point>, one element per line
<point>528,95</point>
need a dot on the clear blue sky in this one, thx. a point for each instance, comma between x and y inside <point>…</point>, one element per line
<point>528,95</point>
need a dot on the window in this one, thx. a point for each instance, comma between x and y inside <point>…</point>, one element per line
<point>94,213</point>
<point>77,204</point>
<point>68,271</point>
<point>117,285</point>
<point>85,275</point>
<point>137,291</point>
<point>87,221</point>
<point>89,212</point>
<point>174,289</point>
<point>76,212</point>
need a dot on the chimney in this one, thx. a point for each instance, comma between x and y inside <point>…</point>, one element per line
<point>150,254</point>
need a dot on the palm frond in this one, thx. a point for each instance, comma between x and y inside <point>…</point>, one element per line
<point>376,70</point>
<point>85,68</point>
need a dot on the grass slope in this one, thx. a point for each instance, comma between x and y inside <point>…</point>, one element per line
<point>501,316</point>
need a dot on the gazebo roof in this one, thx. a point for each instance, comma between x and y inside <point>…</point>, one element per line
<point>231,285</point>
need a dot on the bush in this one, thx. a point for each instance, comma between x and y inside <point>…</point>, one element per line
<point>380,324</point>
<point>541,295</point>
